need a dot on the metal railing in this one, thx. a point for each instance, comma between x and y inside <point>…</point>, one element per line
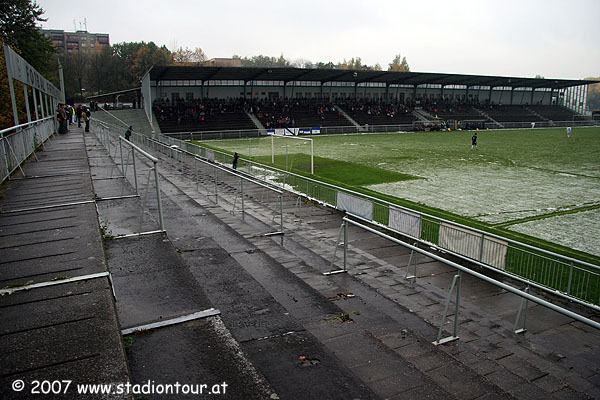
<point>325,130</point>
<point>219,181</point>
<point>125,151</point>
<point>541,124</point>
<point>456,283</point>
<point>566,277</point>
<point>19,142</point>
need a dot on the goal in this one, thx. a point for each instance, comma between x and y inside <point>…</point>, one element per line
<point>291,147</point>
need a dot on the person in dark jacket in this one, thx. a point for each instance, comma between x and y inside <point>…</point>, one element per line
<point>128,132</point>
<point>78,114</point>
<point>87,116</point>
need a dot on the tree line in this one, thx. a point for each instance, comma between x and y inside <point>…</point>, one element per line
<point>97,70</point>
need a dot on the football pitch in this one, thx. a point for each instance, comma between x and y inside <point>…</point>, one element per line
<point>536,182</point>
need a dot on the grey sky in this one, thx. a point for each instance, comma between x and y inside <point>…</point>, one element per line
<point>553,38</point>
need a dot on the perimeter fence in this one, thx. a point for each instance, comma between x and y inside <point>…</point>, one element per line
<point>331,130</point>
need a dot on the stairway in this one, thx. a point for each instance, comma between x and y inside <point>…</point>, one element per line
<point>359,127</point>
<point>484,114</point>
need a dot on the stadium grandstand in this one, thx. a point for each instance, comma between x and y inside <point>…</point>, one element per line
<point>210,99</point>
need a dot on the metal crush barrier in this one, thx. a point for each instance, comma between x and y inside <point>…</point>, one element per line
<point>566,277</point>
<point>563,276</point>
<point>124,151</point>
<point>456,285</point>
<point>218,181</point>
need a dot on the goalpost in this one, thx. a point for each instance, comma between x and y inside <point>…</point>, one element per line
<point>312,165</point>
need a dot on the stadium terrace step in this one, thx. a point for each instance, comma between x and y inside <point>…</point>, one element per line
<point>397,314</point>
<point>49,234</point>
<point>157,279</point>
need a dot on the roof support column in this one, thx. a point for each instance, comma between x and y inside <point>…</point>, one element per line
<point>355,90</point>
<point>245,89</point>
<point>321,89</point>
<point>490,95</point>
<point>442,93</point>
<point>414,92</point>
<point>532,91</point>
<point>512,96</point>
<point>387,92</point>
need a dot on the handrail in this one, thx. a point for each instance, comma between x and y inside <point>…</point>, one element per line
<point>140,150</point>
<point>241,176</point>
<point>483,277</point>
<point>21,126</point>
<point>380,201</point>
<point>154,160</point>
<point>496,270</point>
<point>565,261</point>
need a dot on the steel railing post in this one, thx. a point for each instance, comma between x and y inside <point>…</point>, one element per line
<point>345,246</point>
<point>121,150</point>
<point>216,186</point>
<point>456,312</point>
<point>135,180</point>
<point>281,214</point>
<point>570,278</point>
<point>242,190</point>
<point>158,201</point>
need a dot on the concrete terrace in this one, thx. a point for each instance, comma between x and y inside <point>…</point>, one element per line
<point>49,232</point>
<point>282,330</point>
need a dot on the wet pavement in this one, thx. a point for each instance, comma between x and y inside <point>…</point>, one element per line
<point>282,329</point>
<point>49,233</point>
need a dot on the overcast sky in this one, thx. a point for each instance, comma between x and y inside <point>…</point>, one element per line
<point>553,38</point>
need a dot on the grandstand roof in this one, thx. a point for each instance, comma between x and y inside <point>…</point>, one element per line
<point>161,73</point>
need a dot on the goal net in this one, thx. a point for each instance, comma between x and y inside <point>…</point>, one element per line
<point>288,152</point>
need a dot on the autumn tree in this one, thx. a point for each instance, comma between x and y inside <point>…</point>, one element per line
<point>261,61</point>
<point>399,64</point>
<point>18,29</point>
<point>353,64</point>
<point>188,57</point>
<point>136,58</point>
<point>76,72</point>
<point>322,65</point>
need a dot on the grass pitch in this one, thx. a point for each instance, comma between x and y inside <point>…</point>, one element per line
<point>535,182</point>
